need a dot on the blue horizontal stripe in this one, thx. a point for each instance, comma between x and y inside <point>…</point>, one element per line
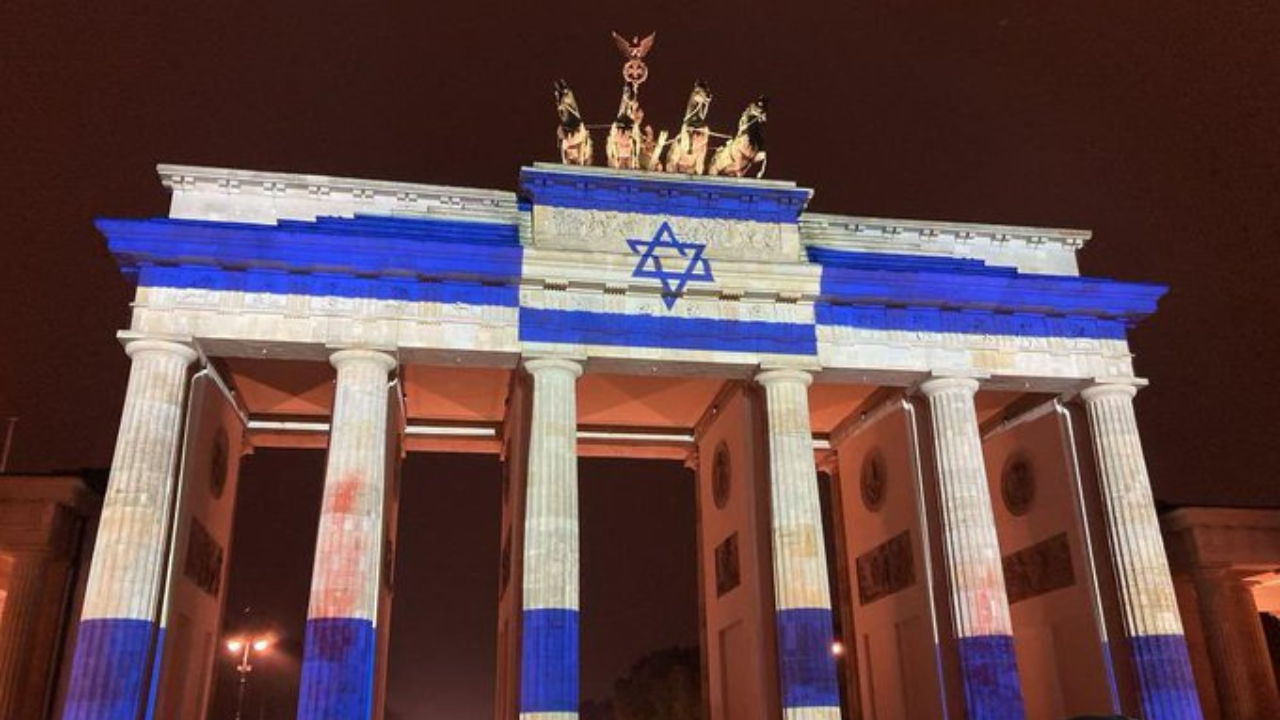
<point>654,194</point>
<point>337,670</point>
<point>1165,683</point>
<point>479,251</point>
<point>549,661</point>
<point>989,673</point>
<point>676,333</point>
<point>909,280</point>
<point>967,322</point>
<point>281,283</point>
<point>110,669</point>
<point>855,260</point>
<point>804,656</point>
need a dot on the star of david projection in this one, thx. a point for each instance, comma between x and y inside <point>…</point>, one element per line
<point>666,248</point>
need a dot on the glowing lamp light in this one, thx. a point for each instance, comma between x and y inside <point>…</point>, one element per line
<point>244,647</point>
<point>837,649</point>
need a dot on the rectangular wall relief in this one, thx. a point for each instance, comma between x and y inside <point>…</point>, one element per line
<point>1038,569</point>
<point>886,569</point>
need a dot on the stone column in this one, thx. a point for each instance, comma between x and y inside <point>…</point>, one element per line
<point>117,630</point>
<point>338,657</point>
<point>1162,667</point>
<point>971,550</point>
<point>1237,646</point>
<point>801,588</point>
<point>22,608</point>
<point>549,605</point>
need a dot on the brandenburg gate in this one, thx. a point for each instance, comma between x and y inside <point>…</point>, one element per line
<point>965,392</point>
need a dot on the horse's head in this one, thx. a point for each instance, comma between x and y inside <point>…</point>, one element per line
<point>566,104</point>
<point>752,122</point>
<point>695,112</point>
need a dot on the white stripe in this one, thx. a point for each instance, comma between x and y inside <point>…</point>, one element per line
<point>841,347</point>
<point>271,317</point>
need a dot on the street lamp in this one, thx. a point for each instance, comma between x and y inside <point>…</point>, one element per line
<point>244,647</point>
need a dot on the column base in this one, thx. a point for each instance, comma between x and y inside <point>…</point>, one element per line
<point>109,672</point>
<point>549,669</point>
<point>1165,682</point>
<point>989,674</point>
<point>807,667</point>
<point>337,670</point>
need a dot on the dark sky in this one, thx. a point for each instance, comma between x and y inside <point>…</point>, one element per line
<point>1152,123</point>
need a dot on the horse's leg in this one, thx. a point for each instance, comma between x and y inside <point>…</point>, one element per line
<point>722,159</point>
<point>763,157</point>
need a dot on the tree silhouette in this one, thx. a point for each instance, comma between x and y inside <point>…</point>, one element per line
<point>663,685</point>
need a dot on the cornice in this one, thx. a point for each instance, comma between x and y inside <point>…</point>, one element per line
<point>823,228</point>
<point>403,197</point>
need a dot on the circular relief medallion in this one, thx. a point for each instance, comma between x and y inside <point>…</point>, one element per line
<point>1018,485</point>
<point>873,480</point>
<point>721,480</point>
<point>218,464</point>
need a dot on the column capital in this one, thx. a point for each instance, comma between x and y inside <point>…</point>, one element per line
<point>538,365</point>
<point>381,359</point>
<point>938,385</point>
<point>778,376</point>
<point>150,345</point>
<point>1107,389</point>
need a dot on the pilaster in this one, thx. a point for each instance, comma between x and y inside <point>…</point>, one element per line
<point>22,609</point>
<point>1246,685</point>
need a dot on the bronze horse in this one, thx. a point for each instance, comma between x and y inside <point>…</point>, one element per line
<point>575,140</point>
<point>688,152</point>
<point>736,157</point>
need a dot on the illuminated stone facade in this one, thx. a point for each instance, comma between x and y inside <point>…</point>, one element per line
<point>966,393</point>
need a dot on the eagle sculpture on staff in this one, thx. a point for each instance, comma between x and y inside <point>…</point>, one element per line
<point>634,50</point>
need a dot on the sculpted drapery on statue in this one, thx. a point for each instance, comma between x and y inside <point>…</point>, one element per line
<point>632,145</point>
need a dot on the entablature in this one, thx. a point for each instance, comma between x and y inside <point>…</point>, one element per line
<point>618,265</point>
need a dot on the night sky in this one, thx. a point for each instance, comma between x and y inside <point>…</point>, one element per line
<point>1155,124</point>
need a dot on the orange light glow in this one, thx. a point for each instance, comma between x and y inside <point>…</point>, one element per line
<point>261,645</point>
<point>235,645</point>
<point>837,649</point>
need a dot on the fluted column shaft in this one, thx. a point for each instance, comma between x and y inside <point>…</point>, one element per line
<point>1237,646</point>
<point>549,610</point>
<point>975,574</point>
<point>118,619</point>
<point>801,588</point>
<point>1147,602</point>
<point>338,659</point>
<point>21,609</point>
